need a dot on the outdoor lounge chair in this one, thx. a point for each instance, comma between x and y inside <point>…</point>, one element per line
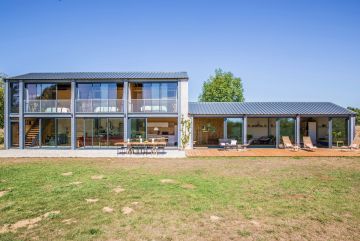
<point>354,146</point>
<point>308,145</point>
<point>288,145</point>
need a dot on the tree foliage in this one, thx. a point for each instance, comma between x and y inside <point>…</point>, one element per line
<point>223,87</point>
<point>357,111</point>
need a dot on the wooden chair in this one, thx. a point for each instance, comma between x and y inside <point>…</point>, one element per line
<point>308,145</point>
<point>288,145</point>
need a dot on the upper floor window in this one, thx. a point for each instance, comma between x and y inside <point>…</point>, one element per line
<point>153,97</point>
<point>14,97</point>
<point>99,97</point>
<point>47,97</point>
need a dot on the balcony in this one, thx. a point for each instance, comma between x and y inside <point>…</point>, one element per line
<point>153,105</point>
<point>99,106</point>
<point>47,106</point>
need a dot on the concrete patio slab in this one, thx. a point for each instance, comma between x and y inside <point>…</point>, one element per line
<point>85,153</point>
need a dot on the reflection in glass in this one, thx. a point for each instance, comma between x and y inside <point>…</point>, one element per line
<point>340,131</point>
<point>14,134</point>
<point>63,132</point>
<point>138,128</point>
<point>287,128</point>
<point>234,129</point>
<point>48,137</point>
<point>14,97</point>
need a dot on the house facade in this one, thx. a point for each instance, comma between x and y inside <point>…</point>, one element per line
<point>93,110</point>
<point>99,110</point>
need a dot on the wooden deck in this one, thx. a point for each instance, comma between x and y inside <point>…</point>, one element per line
<point>267,152</point>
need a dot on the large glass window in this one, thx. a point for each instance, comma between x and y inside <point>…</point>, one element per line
<point>208,131</point>
<point>138,128</point>
<point>14,134</point>
<point>163,129</point>
<point>46,97</point>
<point>63,132</point>
<point>287,128</point>
<point>115,131</point>
<point>48,134</point>
<point>99,97</point>
<point>340,131</point>
<point>153,97</point>
<point>14,97</point>
<point>99,132</point>
<point>235,129</point>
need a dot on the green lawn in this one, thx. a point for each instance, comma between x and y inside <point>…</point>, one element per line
<point>205,199</point>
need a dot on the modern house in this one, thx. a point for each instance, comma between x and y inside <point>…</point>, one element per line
<point>98,110</point>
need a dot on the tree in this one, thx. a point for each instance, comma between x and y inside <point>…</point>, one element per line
<point>357,111</point>
<point>223,87</point>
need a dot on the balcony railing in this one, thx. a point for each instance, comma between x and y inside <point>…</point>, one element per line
<point>153,105</point>
<point>47,106</point>
<point>99,105</point>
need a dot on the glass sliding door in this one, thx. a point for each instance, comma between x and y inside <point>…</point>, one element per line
<point>235,129</point>
<point>287,128</point>
<point>14,134</point>
<point>48,133</point>
<point>340,131</point>
<point>208,131</point>
<point>115,131</point>
<point>153,97</point>
<point>138,128</point>
<point>63,130</point>
<point>99,132</point>
<point>88,132</point>
<point>163,129</point>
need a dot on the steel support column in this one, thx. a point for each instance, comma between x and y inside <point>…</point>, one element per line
<point>21,116</point>
<point>330,132</point>
<point>277,131</point>
<point>225,129</point>
<point>7,124</point>
<point>297,130</point>
<point>245,130</point>
<point>73,115</point>
<point>126,106</point>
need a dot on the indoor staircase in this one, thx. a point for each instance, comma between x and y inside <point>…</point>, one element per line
<point>31,138</point>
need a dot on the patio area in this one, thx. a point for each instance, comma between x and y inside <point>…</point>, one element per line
<point>268,152</point>
<point>86,153</point>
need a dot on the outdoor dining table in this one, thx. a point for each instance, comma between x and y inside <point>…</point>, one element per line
<point>141,146</point>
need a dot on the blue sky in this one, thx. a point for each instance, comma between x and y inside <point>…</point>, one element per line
<point>282,50</point>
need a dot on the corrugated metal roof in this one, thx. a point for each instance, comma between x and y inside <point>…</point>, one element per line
<point>101,75</point>
<point>267,108</point>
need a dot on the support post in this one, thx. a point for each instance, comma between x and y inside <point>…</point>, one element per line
<point>225,128</point>
<point>7,124</point>
<point>297,131</point>
<point>125,107</point>
<point>191,132</point>
<point>21,116</point>
<point>330,132</point>
<point>179,114</point>
<point>350,131</point>
<point>245,130</point>
<point>73,115</point>
<point>277,131</point>
<point>353,126</point>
